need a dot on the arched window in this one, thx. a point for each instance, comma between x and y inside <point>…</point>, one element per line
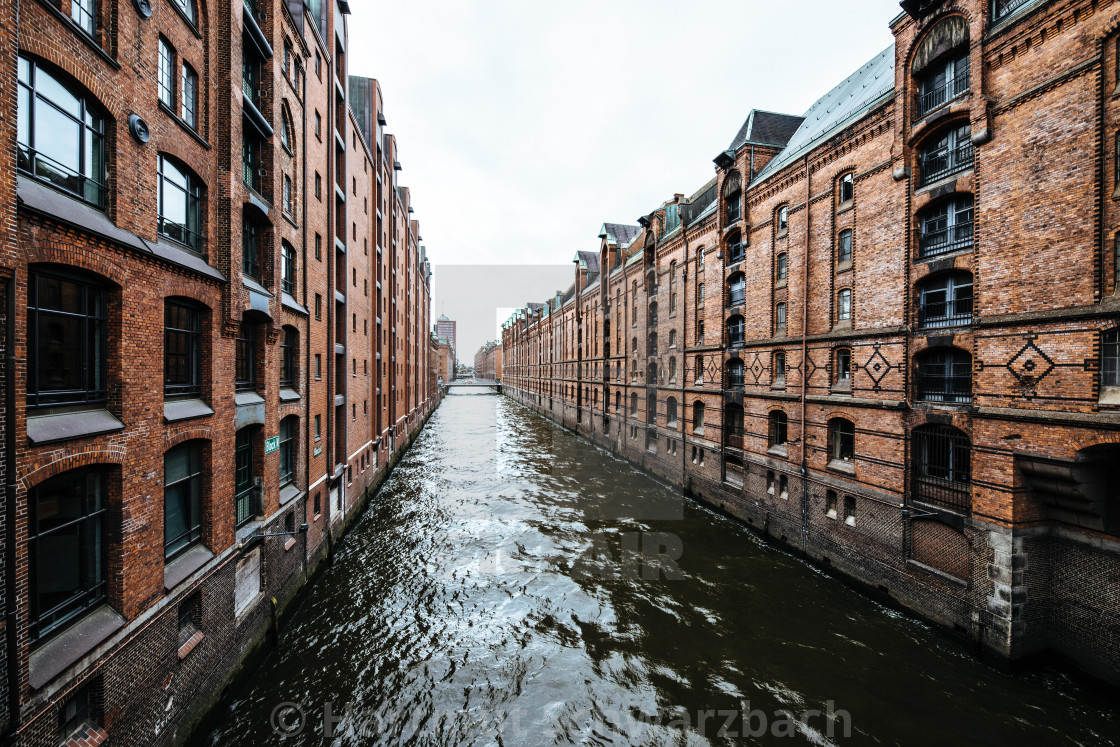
<point>187,9</point>
<point>66,546</point>
<point>651,373</point>
<point>946,153</point>
<point>846,186</point>
<point>733,426</point>
<point>618,402</point>
<point>61,134</point>
<point>783,219</point>
<point>736,331</point>
<point>782,272</point>
<point>180,204</point>
<point>634,403</point>
<point>699,369</point>
<point>732,200</point>
<point>67,338</point>
<point>842,368</point>
<point>844,305</point>
<point>287,132</point>
<point>289,358</point>
<point>1110,358</point>
<point>941,65</point>
<point>700,295</point>
<point>779,373</point>
<point>945,375</point>
<point>844,246</point>
<point>671,411</point>
<point>697,417</point>
<point>672,338</point>
<point>182,497</point>
<point>778,429</point>
<point>287,268</point>
<point>182,349</point>
<point>942,467</point>
<point>672,369</point>
<point>736,289</point>
<point>945,300</point>
<point>780,317</point>
<point>946,226</point>
<point>736,248</point>
<point>841,440</point>
<point>735,377</point>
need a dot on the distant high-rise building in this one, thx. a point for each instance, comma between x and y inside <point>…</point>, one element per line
<point>445,328</point>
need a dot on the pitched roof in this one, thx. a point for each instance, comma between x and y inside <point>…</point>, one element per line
<point>840,107</point>
<point>588,260</point>
<point>619,233</point>
<point>766,128</point>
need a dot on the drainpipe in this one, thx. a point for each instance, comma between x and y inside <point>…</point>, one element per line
<point>307,344</point>
<point>684,354</point>
<point>12,638</point>
<point>804,358</point>
<point>12,641</point>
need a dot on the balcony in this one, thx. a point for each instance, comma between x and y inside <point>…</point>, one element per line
<point>940,95</point>
<point>952,313</point>
<point>947,239</point>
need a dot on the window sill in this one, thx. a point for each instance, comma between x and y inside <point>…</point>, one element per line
<point>842,388</point>
<point>58,654</point>
<point>843,324</point>
<point>289,493</point>
<point>845,206</point>
<point>289,544</point>
<point>185,409</point>
<point>289,395</point>
<point>782,233</point>
<point>66,426</point>
<point>86,735</point>
<point>780,450</point>
<point>184,566</point>
<point>245,398</point>
<point>1110,395</point>
<point>82,34</point>
<point>184,124</point>
<point>290,303</point>
<point>778,386</point>
<point>190,645</point>
<point>839,465</point>
<point>844,266</point>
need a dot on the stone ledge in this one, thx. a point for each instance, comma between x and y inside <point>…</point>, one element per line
<point>63,650</point>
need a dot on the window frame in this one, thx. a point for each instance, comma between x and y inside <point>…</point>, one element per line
<point>245,357</point>
<point>846,186</point>
<point>92,550</point>
<point>950,284</point>
<point>844,242</point>
<point>949,217</point>
<point>844,305</point>
<point>841,441</point>
<point>289,358</point>
<point>94,321</point>
<point>288,463</point>
<point>944,376</point>
<point>777,429</point>
<point>193,337</point>
<point>190,234</point>
<point>192,482</point>
<point>188,104</point>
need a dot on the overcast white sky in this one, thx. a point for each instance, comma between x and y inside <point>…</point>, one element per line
<point>524,125</point>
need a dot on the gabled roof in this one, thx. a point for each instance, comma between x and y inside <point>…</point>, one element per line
<point>588,261</point>
<point>837,109</point>
<point>699,203</point>
<point>766,128</point>
<point>619,233</point>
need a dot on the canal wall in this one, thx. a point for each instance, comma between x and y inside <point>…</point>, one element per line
<point>1016,595</point>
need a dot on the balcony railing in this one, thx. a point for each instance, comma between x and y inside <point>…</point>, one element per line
<point>948,239</point>
<point>952,313</point>
<point>54,173</point>
<point>734,211</point>
<point>943,94</point>
<point>737,297</point>
<point>942,163</point>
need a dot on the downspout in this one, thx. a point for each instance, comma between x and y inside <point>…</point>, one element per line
<point>307,345</point>
<point>10,607</point>
<point>804,357</point>
<point>684,348</point>
<point>10,508</point>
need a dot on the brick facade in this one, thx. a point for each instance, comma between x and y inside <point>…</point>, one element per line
<point>305,251</point>
<point>931,251</point>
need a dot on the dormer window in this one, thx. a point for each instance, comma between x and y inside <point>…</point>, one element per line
<point>733,194</point>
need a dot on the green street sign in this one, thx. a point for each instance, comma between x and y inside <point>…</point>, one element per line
<point>271,444</point>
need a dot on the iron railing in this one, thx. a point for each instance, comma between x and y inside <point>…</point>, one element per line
<point>947,239</point>
<point>941,163</point>
<point>945,377</point>
<point>946,92</point>
<point>63,177</point>
<point>951,313</point>
<point>942,474</point>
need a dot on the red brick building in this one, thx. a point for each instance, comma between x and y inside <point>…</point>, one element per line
<point>216,307</point>
<point>886,333</point>
<point>488,361</point>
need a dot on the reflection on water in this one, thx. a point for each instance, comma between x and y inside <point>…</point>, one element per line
<point>497,591</point>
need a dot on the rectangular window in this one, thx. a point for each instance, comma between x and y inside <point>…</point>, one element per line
<point>288,428</point>
<point>844,251</point>
<point>180,205</point>
<point>289,358</point>
<point>843,367</point>
<point>166,77</point>
<point>250,244</point>
<point>66,319</point>
<point>844,305</point>
<point>246,357</point>
<point>318,247</point>
<point>318,367</point>
<point>780,316</point>
<point>318,189</point>
<point>287,194</point>
<point>182,498</point>
<point>947,227</point>
<point>318,427</point>
<point>84,13</point>
<point>1110,358</point>
<point>318,125</point>
<point>66,547</point>
<point>318,306</point>
<point>182,350</point>
<point>245,474</point>
<point>190,97</point>
<point>288,268</point>
<point>780,369</point>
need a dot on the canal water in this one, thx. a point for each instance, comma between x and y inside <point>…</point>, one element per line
<point>513,585</point>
